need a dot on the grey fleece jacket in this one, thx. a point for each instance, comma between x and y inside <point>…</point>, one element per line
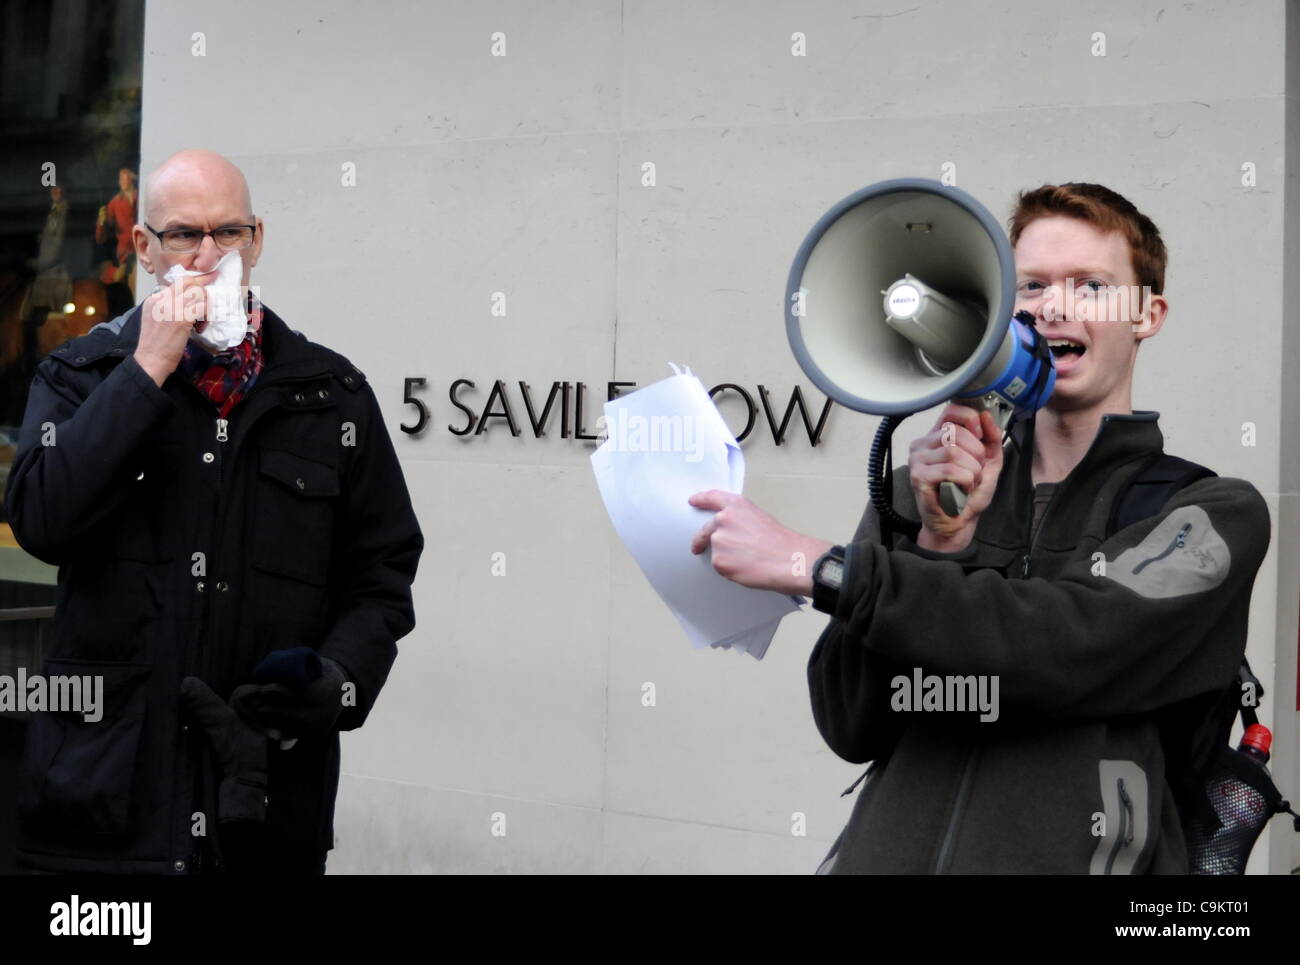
<point>1095,644</point>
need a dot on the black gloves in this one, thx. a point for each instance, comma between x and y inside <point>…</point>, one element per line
<point>296,693</point>
<point>240,750</point>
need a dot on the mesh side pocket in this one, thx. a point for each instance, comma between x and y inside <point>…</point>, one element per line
<point>1244,798</point>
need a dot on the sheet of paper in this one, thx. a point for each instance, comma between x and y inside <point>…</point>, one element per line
<point>664,443</point>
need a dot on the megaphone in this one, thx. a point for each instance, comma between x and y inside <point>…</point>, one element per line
<point>901,297</point>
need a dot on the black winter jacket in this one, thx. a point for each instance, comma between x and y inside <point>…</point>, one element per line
<point>1097,643</point>
<point>186,545</point>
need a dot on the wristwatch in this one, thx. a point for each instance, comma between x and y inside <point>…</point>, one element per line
<point>828,577</point>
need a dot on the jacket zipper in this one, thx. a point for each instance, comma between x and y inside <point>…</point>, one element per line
<point>223,435</point>
<point>200,643</point>
<point>944,861</point>
<point>200,670</point>
<point>1178,542</point>
<point>1032,535</point>
<point>1125,836</point>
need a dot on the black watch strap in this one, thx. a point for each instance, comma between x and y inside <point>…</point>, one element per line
<point>828,578</point>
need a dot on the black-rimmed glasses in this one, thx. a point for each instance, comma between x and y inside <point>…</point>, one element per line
<point>229,237</point>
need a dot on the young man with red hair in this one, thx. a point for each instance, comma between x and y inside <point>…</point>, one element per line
<point>1098,647</point>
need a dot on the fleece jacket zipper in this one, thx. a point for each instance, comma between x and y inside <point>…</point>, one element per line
<point>944,861</point>
<point>1033,532</point>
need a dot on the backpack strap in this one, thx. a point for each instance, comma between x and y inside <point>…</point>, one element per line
<point>1147,492</point>
<point>1247,682</point>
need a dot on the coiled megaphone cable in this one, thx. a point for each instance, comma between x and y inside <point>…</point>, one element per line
<point>880,474</point>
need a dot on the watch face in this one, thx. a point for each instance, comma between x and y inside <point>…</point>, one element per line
<point>832,573</point>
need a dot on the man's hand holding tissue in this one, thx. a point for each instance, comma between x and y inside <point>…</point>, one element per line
<point>753,549</point>
<point>166,320</point>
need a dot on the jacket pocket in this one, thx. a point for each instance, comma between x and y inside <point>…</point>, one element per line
<point>77,774</point>
<point>110,611</point>
<point>297,500</point>
<point>1125,827</point>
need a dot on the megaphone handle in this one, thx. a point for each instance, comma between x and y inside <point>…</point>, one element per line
<point>952,500</point>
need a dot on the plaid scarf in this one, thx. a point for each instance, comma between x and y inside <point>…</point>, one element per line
<point>227,377</point>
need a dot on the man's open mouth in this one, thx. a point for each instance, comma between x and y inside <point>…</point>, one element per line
<point>1065,346</point>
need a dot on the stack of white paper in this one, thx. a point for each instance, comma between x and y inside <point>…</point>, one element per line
<point>664,443</point>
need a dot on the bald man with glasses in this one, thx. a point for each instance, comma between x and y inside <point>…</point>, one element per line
<point>236,546</point>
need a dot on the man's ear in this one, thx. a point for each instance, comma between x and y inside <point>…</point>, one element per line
<point>1155,308</point>
<point>255,250</point>
<point>140,239</point>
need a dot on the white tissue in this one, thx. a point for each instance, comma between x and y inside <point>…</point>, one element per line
<point>227,319</point>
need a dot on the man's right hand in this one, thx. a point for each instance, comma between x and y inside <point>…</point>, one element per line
<point>965,447</point>
<point>241,752</point>
<point>167,318</point>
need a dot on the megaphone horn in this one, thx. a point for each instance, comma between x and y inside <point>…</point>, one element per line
<point>901,298</point>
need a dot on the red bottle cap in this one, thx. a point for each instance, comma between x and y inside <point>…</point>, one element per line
<point>1258,737</point>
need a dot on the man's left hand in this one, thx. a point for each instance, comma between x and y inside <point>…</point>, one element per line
<point>283,713</point>
<point>753,549</point>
